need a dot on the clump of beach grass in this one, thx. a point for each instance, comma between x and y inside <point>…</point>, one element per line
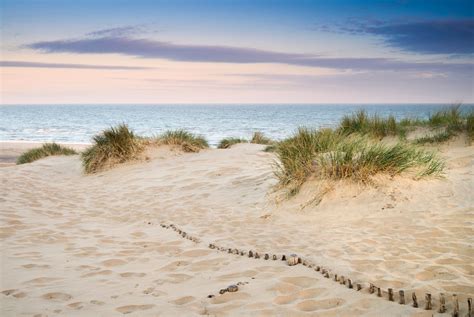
<point>228,142</point>
<point>470,126</point>
<point>260,138</point>
<point>47,149</point>
<point>187,141</point>
<point>112,146</point>
<point>364,124</point>
<point>331,155</point>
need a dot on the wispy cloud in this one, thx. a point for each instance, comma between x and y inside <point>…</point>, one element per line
<point>436,37</point>
<point>145,48</point>
<point>59,65</point>
<point>455,36</point>
<point>119,31</point>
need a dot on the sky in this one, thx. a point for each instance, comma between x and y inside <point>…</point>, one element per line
<point>338,51</point>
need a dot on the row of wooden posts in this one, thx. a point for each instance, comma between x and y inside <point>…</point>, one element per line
<point>293,259</point>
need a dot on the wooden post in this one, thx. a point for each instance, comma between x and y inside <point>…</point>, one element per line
<point>455,306</point>
<point>415,302</point>
<point>371,288</point>
<point>275,257</point>
<point>379,292</point>
<point>390,294</point>
<point>335,277</point>
<point>318,268</point>
<point>469,307</point>
<point>428,301</point>
<point>326,275</point>
<point>257,256</point>
<point>266,257</point>
<point>229,250</point>
<point>349,283</point>
<point>401,300</point>
<point>211,246</point>
<point>359,287</point>
<point>250,254</point>
<point>342,280</point>
<point>442,304</point>
<point>283,257</point>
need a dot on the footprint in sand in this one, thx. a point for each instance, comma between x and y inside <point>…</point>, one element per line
<point>31,266</point>
<point>302,281</point>
<point>61,297</point>
<point>311,292</point>
<point>113,262</point>
<point>132,274</point>
<point>284,299</point>
<point>183,300</point>
<point>133,308</point>
<point>76,305</point>
<point>103,272</point>
<point>8,292</point>
<point>312,305</point>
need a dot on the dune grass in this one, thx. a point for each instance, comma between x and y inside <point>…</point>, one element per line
<point>113,146</point>
<point>228,142</point>
<point>47,149</point>
<point>329,154</point>
<point>470,127</point>
<point>188,141</point>
<point>260,138</point>
<point>364,124</point>
<point>451,119</point>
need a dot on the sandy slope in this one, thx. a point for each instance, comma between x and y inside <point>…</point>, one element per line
<point>75,245</point>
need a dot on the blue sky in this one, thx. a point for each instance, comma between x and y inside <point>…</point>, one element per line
<point>237,51</point>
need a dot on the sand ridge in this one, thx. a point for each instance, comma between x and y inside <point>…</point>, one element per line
<point>78,245</point>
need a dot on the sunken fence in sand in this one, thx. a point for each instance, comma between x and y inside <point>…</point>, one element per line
<point>428,303</point>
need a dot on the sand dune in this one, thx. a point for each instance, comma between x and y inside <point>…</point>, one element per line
<point>76,245</point>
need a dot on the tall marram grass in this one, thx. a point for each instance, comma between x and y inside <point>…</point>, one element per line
<point>362,123</point>
<point>47,149</point>
<point>113,146</point>
<point>188,141</point>
<point>332,155</point>
<point>260,138</point>
<point>228,142</point>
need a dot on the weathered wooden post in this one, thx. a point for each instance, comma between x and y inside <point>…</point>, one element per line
<point>442,304</point>
<point>415,302</point>
<point>371,288</point>
<point>266,257</point>
<point>455,306</point>
<point>469,307</point>
<point>428,301</point>
<point>250,254</point>
<point>401,299</point>
<point>359,287</point>
<point>335,277</point>
<point>349,283</point>
<point>275,257</point>
<point>257,256</point>
<point>390,294</point>
<point>379,292</point>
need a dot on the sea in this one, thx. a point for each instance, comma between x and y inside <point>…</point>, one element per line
<point>79,123</point>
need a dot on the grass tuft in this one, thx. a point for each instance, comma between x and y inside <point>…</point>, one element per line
<point>228,142</point>
<point>260,138</point>
<point>188,141</point>
<point>47,149</point>
<point>113,146</point>
<point>332,155</point>
<point>375,126</point>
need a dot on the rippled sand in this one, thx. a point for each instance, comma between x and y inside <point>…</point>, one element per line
<point>75,245</point>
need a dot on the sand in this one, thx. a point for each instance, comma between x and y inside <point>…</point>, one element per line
<point>76,245</point>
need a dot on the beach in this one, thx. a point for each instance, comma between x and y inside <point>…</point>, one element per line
<point>104,244</point>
